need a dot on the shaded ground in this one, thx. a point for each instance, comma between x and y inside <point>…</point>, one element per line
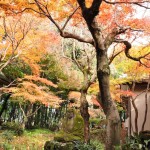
<point>30,140</point>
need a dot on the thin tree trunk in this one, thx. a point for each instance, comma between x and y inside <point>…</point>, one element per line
<point>85,115</point>
<point>130,117</point>
<point>146,110</point>
<point>31,118</point>
<point>38,116</point>
<point>11,114</point>
<point>146,106</point>
<point>136,116</point>
<point>135,109</point>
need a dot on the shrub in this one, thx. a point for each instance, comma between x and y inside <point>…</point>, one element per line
<point>17,128</point>
<point>83,146</point>
<point>97,144</point>
<point>7,135</point>
<point>136,143</point>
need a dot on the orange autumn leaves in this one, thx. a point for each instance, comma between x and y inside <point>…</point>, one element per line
<point>34,89</point>
<point>31,88</point>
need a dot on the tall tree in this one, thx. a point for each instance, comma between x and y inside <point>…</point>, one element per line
<point>106,21</point>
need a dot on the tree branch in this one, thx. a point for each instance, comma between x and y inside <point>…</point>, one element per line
<point>127,49</point>
<point>82,4</point>
<point>113,56</point>
<point>126,2</point>
<point>77,37</point>
<point>63,33</point>
<point>68,19</point>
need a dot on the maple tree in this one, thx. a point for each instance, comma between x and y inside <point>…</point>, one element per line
<point>19,59</point>
<point>11,45</point>
<point>107,21</point>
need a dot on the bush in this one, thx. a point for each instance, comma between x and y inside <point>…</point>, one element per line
<point>7,135</point>
<point>54,127</point>
<point>17,128</point>
<point>83,146</point>
<point>98,145</point>
<point>98,135</point>
<point>94,122</point>
<point>98,123</point>
<point>136,142</point>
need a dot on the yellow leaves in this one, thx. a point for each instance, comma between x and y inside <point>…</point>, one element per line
<point>94,89</point>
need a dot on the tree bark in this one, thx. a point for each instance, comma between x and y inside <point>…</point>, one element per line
<point>85,115</point>
<point>109,106</point>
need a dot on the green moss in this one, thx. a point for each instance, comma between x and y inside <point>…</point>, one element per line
<point>72,127</point>
<point>66,137</point>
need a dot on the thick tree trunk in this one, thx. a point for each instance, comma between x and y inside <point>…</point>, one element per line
<point>109,107</point>
<point>85,115</point>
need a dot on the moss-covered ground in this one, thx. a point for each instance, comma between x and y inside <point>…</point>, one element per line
<point>30,140</point>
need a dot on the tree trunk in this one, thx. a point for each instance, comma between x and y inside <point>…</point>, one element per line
<point>4,106</point>
<point>136,116</point>
<point>12,113</point>
<point>109,107</point>
<point>31,118</point>
<point>146,106</point>
<point>145,114</point>
<point>135,109</point>
<point>85,115</point>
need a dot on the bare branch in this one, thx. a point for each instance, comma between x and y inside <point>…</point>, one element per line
<point>9,85</point>
<point>127,2</point>
<point>68,19</point>
<point>29,115</point>
<point>114,55</point>
<point>14,40</point>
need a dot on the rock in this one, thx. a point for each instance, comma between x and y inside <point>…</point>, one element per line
<point>54,145</point>
<point>71,134</point>
<point>66,137</point>
<point>71,128</point>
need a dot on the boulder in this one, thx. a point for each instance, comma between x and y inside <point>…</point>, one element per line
<point>54,145</point>
<point>72,128</point>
